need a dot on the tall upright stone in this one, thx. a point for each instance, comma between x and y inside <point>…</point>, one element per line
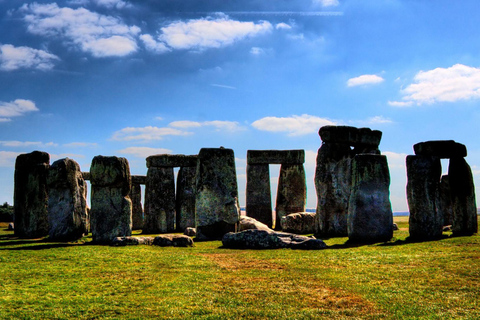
<point>444,201</point>
<point>423,175</point>
<point>463,197</point>
<point>258,194</point>
<point>370,217</point>
<point>217,210</point>
<point>67,203</point>
<point>185,198</point>
<point>291,192</point>
<point>136,197</point>
<point>111,212</point>
<point>30,198</point>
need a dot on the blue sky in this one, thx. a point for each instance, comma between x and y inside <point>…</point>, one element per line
<point>81,78</point>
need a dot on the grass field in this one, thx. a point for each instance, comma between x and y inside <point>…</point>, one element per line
<point>394,280</point>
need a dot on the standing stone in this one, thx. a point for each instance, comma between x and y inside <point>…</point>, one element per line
<point>258,195</point>
<point>67,203</point>
<point>30,195</point>
<point>423,175</point>
<point>137,211</point>
<point>291,192</point>
<point>332,183</point>
<point>444,201</point>
<point>217,210</point>
<point>463,198</point>
<point>111,212</point>
<point>370,217</point>
<point>159,200</point>
<point>185,199</point>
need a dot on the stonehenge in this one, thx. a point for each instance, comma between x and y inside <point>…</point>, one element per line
<point>136,197</point>
<point>435,201</point>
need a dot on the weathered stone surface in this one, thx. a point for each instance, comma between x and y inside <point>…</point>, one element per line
<point>299,223</point>
<point>350,135</point>
<point>444,201</point>
<point>67,203</point>
<point>191,232</point>
<point>258,196</point>
<point>247,223</point>
<point>423,175</point>
<point>131,241</point>
<point>185,198</point>
<point>463,198</point>
<point>171,160</point>
<point>444,149</point>
<point>333,187</point>
<point>30,195</point>
<point>159,201</point>
<point>170,240</point>
<point>86,176</point>
<point>370,217</point>
<point>275,157</point>
<point>291,191</point>
<point>139,179</point>
<point>137,210</point>
<point>111,212</point>
<point>264,239</point>
<point>216,203</point>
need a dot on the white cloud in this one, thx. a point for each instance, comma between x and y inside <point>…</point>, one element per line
<point>13,58</point>
<point>208,33</point>
<point>184,124</point>
<point>256,51</point>
<point>283,25</point>
<point>16,108</point>
<point>223,86</point>
<point>111,4</point>
<point>146,133</point>
<point>459,82</point>
<point>80,144</point>
<point>7,158</point>
<point>378,120</point>
<point>326,3</point>
<point>400,103</point>
<point>395,160</point>
<point>153,45</point>
<point>16,144</point>
<point>365,79</point>
<point>230,126</point>
<point>143,152</point>
<point>100,35</point>
<point>294,125</point>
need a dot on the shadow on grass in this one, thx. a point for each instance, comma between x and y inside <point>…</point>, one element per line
<point>39,246</point>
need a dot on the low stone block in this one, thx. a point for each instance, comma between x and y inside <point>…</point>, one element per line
<point>275,156</point>
<point>131,241</point>
<point>172,160</point>
<point>247,223</point>
<point>191,232</point>
<point>444,149</point>
<point>299,223</point>
<point>169,240</point>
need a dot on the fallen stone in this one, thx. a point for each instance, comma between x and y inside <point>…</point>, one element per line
<point>299,223</point>
<point>444,149</point>
<point>263,239</point>
<point>447,228</point>
<point>169,240</point>
<point>131,241</point>
<point>247,223</point>
<point>191,232</point>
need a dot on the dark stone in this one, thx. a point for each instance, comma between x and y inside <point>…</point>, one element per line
<point>258,157</point>
<point>291,192</point>
<point>299,223</point>
<point>159,201</point>
<point>191,232</point>
<point>263,239</point>
<point>258,196</point>
<point>444,149</point>
<point>423,175</point>
<point>351,136</point>
<point>131,241</point>
<point>185,198</point>
<point>137,210</point>
<point>171,160</point>
<point>11,226</point>
<point>444,201</point>
<point>333,186</point>
<point>111,212</point>
<point>86,176</point>
<point>217,210</point>
<point>139,179</point>
<point>370,217</point>
<point>395,227</point>
<point>67,201</point>
<point>169,240</point>
<point>31,195</point>
<point>462,190</point>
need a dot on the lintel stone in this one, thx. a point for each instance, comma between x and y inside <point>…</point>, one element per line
<point>350,135</point>
<point>171,160</point>
<point>139,179</point>
<point>275,157</point>
<point>444,149</point>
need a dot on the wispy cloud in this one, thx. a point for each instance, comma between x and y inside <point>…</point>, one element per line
<point>459,82</point>
<point>293,125</point>
<point>326,3</point>
<point>228,126</point>
<point>366,79</point>
<point>21,144</point>
<point>80,144</point>
<point>223,86</point>
<point>143,152</point>
<point>13,58</point>
<point>16,108</point>
<point>146,133</point>
<point>7,158</point>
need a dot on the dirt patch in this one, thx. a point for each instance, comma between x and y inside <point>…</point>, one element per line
<point>241,261</point>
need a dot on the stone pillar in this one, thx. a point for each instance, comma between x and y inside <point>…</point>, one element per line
<point>444,201</point>
<point>463,197</point>
<point>185,202</point>
<point>258,195</point>
<point>30,198</point>
<point>159,200</point>
<point>111,212</point>
<point>291,192</point>
<point>423,176</point>
<point>217,210</point>
<point>370,217</point>
<point>67,203</point>
<point>136,197</point>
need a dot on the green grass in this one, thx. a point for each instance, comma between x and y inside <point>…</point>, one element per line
<point>396,280</point>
